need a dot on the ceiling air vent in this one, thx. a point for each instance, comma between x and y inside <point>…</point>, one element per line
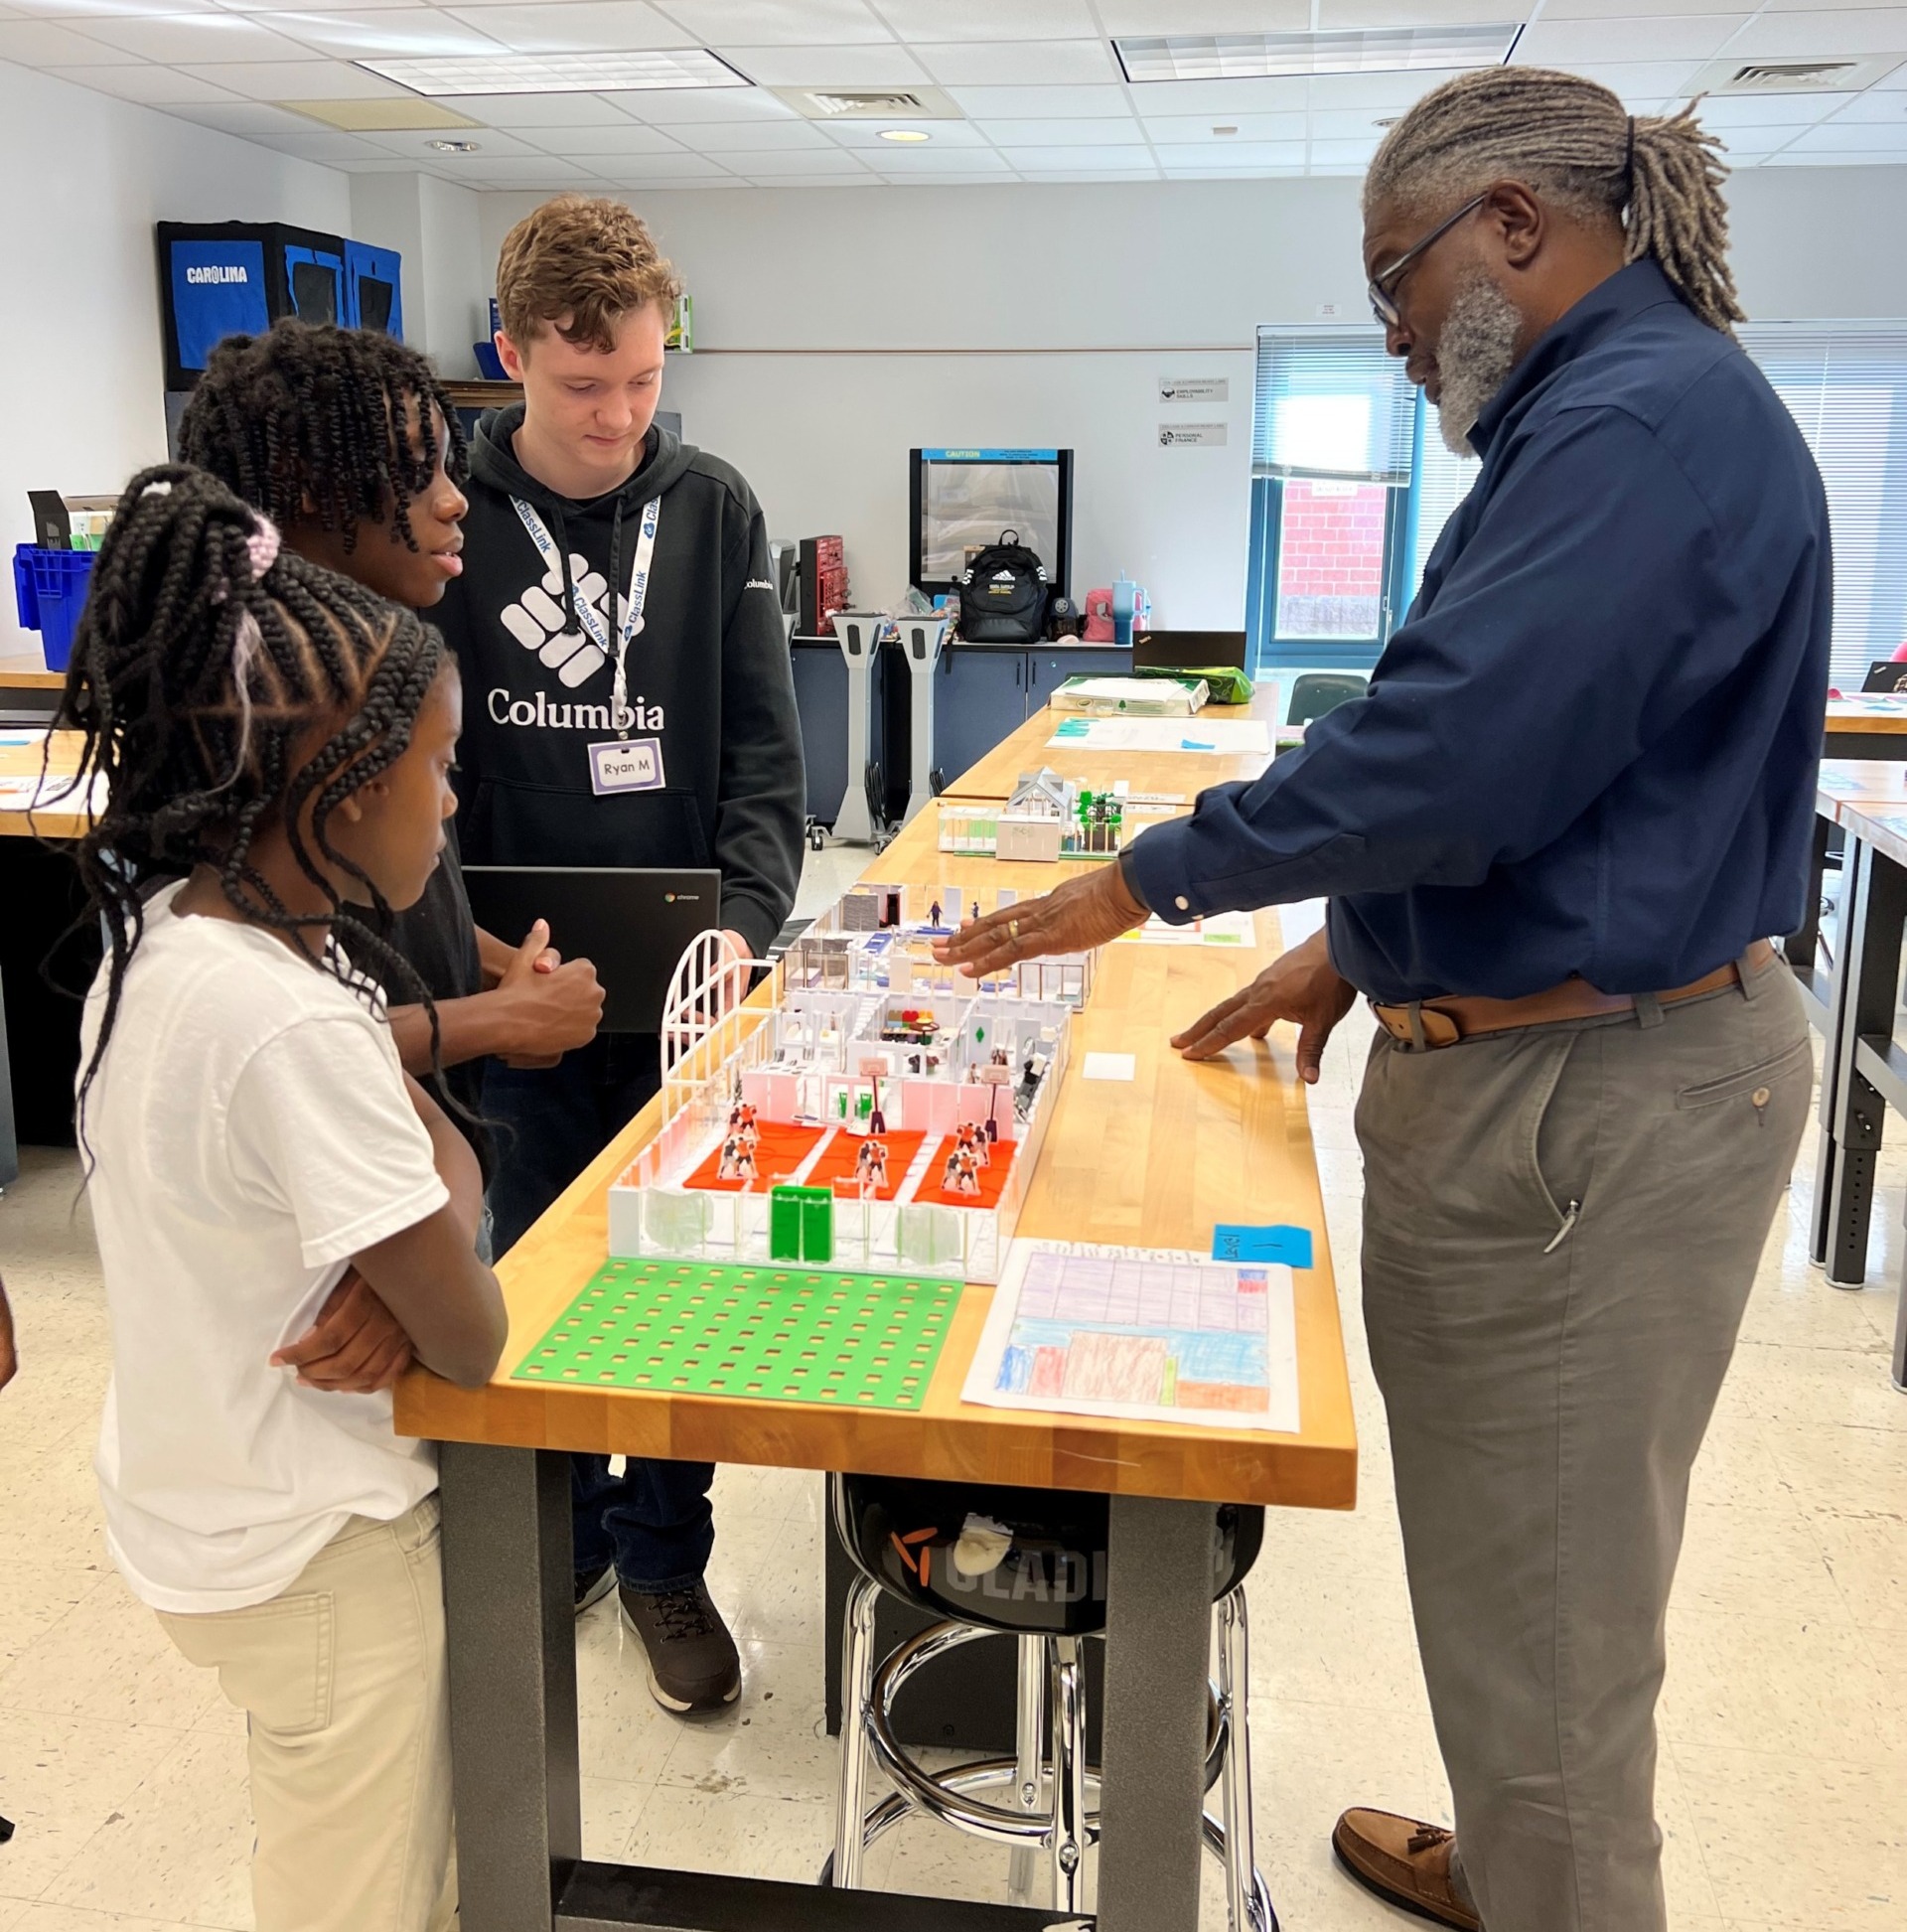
<point>1739,77</point>
<point>871,103</point>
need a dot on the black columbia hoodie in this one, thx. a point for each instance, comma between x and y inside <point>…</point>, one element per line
<point>709,681</point>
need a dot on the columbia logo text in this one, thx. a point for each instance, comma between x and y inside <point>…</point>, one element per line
<point>538,714</point>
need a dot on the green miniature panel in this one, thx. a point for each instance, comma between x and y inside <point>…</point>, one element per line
<point>768,1332</point>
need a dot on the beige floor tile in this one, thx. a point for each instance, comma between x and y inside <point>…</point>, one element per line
<point>61,1780</point>
<point>1769,1557</point>
<point>611,1807</point>
<point>1797,1683</point>
<point>767,1577</point>
<point>1737,1468</point>
<point>70,1918</point>
<point>762,1837</point>
<point>33,1601</point>
<point>1778,1384</point>
<point>51,1518</point>
<point>108,1658</point>
<point>621,1732</point>
<point>1317,1639</point>
<point>180,1844</point>
<point>1829,1463</point>
<point>1794,1844</point>
<point>1867,1552</point>
<point>1684,1873</point>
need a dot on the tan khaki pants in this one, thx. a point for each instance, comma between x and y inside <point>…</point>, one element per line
<point>343,1682</point>
<point>1560,1231</point>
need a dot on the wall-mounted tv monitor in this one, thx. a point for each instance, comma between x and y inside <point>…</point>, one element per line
<point>961,500</point>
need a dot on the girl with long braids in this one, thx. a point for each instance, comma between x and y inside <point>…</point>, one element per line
<point>347,440</point>
<point>276,746</point>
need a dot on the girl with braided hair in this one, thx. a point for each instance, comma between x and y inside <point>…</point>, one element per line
<point>276,744</point>
<point>347,440</point>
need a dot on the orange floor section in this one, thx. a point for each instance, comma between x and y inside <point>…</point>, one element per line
<point>992,1176</point>
<point>836,1168</point>
<point>779,1152</point>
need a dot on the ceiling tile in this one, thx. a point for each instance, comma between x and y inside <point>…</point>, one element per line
<point>398,30</point>
<point>1222,100</point>
<point>415,142</point>
<point>887,65</point>
<point>1342,152</point>
<point>934,161</point>
<point>991,20</point>
<point>198,38</point>
<point>305,6</point>
<point>1854,30</point>
<point>103,9</point>
<point>630,185</point>
<point>752,137</point>
<point>669,107</point>
<point>1234,157</point>
<point>1097,176</point>
<point>861,180</point>
<point>1174,130</point>
<point>675,165</point>
<point>1852,137</point>
<point>245,117</point>
<point>626,137</point>
<point>1743,143</point>
<point>1209,16</point>
<point>598,26</point>
<point>1345,124</point>
<point>1621,9</point>
<point>1341,14</point>
<point>780,23</point>
<point>44,44</point>
<point>867,134</point>
<point>1794,158</point>
<point>151,86</point>
<point>1042,103</point>
<point>1639,80</point>
<point>1685,36</point>
<point>313,80</point>
<point>766,164</point>
<point>321,144</point>
<point>1030,63</point>
<point>1105,133</point>
<point>1036,160</point>
<point>1725,111</point>
<point>534,110</point>
<point>1382,94</point>
<point>509,171</point>
<point>1883,107</point>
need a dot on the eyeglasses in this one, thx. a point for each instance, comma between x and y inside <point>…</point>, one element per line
<point>1382,306</point>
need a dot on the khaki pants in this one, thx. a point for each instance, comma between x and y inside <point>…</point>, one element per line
<point>342,1679</point>
<point>1548,1383</point>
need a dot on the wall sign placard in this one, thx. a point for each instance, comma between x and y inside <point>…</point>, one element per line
<point>1191,435</point>
<point>1195,389</point>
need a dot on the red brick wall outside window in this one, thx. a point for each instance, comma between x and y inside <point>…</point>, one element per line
<point>1331,559</point>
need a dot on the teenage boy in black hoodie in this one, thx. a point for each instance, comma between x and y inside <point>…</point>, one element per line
<point>629,701</point>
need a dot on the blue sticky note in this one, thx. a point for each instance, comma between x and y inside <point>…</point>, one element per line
<point>1192,744</point>
<point>1292,1245</point>
<point>1073,729</point>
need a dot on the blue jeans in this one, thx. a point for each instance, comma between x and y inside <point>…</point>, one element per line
<point>654,1523</point>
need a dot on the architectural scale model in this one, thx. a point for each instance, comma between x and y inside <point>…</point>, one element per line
<point>1048,818</point>
<point>878,1112</point>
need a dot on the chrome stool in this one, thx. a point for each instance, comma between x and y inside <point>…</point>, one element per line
<point>1045,1585</point>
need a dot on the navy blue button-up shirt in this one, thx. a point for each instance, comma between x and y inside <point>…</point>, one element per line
<point>1590,748</point>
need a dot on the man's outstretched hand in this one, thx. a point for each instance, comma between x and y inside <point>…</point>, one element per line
<point>1081,913</point>
<point>1301,986</point>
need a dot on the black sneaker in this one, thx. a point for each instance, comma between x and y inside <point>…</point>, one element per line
<point>692,1660</point>
<point>593,1585</point>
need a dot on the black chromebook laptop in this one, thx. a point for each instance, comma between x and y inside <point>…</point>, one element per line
<point>631,922</point>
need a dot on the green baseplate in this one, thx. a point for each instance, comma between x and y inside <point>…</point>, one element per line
<point>768,1332</point>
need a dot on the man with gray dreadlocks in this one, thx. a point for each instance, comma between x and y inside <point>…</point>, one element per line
<point>1556,837</point>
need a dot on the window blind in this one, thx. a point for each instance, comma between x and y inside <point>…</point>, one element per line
<point>1846,387</point>
<point>1443,481</point>
<point>1329,402</point>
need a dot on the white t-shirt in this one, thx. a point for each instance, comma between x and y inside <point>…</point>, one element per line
<point>249,1131</point>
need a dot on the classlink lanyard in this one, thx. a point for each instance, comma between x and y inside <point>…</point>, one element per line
<point>586,613</point>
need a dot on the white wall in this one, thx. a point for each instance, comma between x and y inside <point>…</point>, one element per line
<point>84,381</point>
<point>838,328</point>
<point>437,230</point>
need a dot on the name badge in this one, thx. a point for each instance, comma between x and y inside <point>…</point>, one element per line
<point>626,764</point>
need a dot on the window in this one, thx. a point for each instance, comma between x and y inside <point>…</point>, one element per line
<point>1846,387</point>
<point>1333,432</point>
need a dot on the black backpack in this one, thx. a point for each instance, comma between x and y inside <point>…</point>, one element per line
<point>1003,595</point>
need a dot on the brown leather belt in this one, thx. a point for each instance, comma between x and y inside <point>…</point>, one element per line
<point>1443,1022</point>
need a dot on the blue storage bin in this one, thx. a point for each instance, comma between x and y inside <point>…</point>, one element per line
<point>50,591</point>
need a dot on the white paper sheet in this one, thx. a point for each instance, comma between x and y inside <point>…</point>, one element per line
<point>57,792</point>
<point>1142,1334</point>
<point>1110,1066</point>
<point>1213,735</point>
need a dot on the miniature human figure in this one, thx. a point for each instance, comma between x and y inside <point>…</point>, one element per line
<point>934,913</point>
<point>976,909</point>
<point>870,1168</point>
<point>969,1139</point>
<point>963,1173</point>
<point>741,1125</point>
<point>737,1162</point>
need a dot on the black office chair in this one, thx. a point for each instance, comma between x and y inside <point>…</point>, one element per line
<point>1318,691</point>
<point>1033,1563</point>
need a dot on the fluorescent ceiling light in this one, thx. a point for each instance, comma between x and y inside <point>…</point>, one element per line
<point>1247,57</point>
<point>557,74</point>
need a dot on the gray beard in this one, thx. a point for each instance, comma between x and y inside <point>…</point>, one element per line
<point>1475,353</point>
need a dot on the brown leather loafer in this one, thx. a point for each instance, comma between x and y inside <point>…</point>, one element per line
<point>1405,1863</point>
